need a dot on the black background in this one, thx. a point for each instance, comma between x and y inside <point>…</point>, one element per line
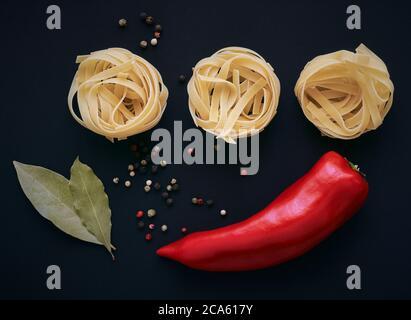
<point>36,71</point>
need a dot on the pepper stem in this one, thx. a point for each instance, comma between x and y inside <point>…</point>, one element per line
<point>356,168</point>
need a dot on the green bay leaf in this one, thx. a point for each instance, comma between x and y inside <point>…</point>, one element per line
<point>91,202</point>
<point>50,195</point>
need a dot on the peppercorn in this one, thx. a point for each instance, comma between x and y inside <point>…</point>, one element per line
<point>169,202</point>
<point>147,188</point>
<point>122,23</point>
<point>116,180</point>
<point>209,203</point>
<point>169,188</point>
<point>154,169</point>
<point>164,228</point>
<point>153,42</point>
<point>200,201</point>
<point>149,20</point>
<point>130,167</point>
<point>151,226</point>
<point>132,173</point>
<point>140,214</point>
<point>182,78</point>
<point>157,186</point>
<point>145,150</point>
<point>149,182</point>
<point>156,35</point>
<point>184,230</point>
<point>163,163</point>
<point>148,237</point>
<point>175,187</point>
<point>158,28</point>
<point>143,170</point>
<point>143,16</point>
<point>140,224</point>
<point>223,213</point>
<point>143,44</point>
<point>173,181</point>
<point>127,183</point>
<point>194,200</point>
<point>151,213</point>
<point>143,162</point>
<point>133,147</point>
<point>165,195</point>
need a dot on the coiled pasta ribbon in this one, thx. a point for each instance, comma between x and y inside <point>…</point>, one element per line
<point>119,94</point>
<point>234,93</point>
<point>345,94</point>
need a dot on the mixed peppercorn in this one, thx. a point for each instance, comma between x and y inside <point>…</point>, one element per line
<point>156,34</point>
<point>148,20</point>
<point>144,165</point>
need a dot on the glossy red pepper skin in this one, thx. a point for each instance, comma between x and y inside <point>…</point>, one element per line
<point>303,215</point>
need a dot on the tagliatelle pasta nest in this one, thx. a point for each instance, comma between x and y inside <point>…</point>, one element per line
<point>234,93</point>
<point>119,94</point>
<point>345,94</point>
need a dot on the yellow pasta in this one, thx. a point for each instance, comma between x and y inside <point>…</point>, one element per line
<point>234,93</point>
<point>119,94</point>
<point>345,94</point>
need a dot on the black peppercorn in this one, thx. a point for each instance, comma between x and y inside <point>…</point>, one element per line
<point>140,224</point>
<point>154,169</point>
<point>175,187</point>
<point>143,169</point>
<point>209,203</point>
<point>143,16</point>
<point>157,186</point>
<point>164,195</point>
<point>169,202</point>
<point>158,28</point>
<point>181,78</point>
<point>145,150</point>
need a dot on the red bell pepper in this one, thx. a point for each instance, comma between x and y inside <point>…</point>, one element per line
<point>296,221</point>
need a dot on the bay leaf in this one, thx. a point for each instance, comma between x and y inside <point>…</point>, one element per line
<point>50,195</point>
<point>91,202</point>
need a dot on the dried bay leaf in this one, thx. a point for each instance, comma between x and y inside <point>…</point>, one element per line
<point>91,202</point>
<point>50,195</point>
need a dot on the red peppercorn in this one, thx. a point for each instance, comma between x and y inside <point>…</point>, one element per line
<point>151,226</point>
<point>157,35</point>
<point>149,237</point>
<point>200,201</point>
<point>140,214</point>
<point>184,230</point>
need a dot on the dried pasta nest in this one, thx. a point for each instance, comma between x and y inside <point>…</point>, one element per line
<point>119,94</point>
<point>345,94</point>
<point>234,93</point>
